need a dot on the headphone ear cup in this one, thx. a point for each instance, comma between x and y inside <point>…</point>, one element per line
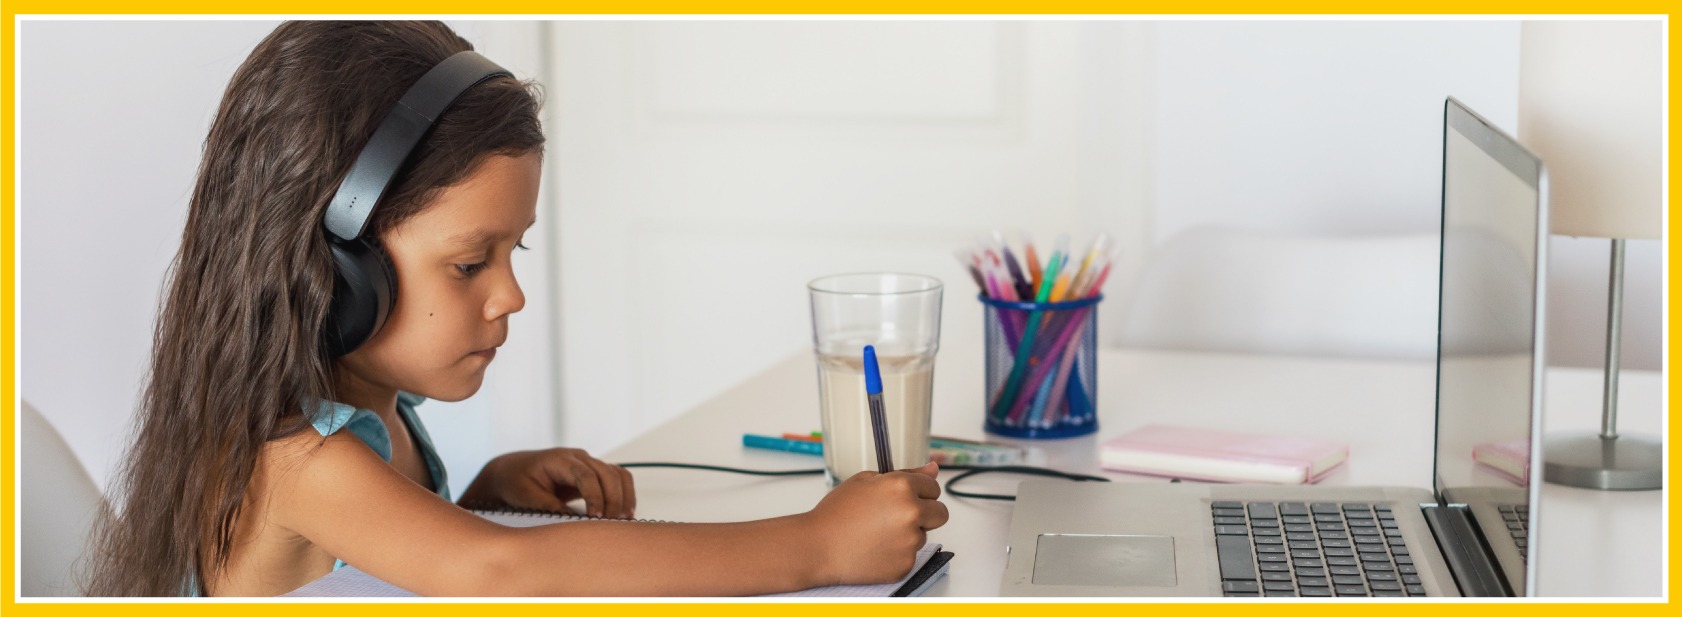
<point>364,288</point>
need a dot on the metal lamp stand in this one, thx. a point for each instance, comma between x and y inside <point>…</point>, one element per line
<point>1607,460</point>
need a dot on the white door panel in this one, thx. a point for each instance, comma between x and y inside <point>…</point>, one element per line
<point>707,170</point>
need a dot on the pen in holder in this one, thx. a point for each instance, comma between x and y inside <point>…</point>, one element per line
<point>1042,367</point>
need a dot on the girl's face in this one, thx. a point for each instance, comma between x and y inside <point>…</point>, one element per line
<point>455,285</point>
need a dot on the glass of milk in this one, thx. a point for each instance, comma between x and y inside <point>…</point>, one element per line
<point>900,315</point>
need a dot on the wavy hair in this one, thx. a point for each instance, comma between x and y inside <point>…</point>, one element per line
<point>238,347</point>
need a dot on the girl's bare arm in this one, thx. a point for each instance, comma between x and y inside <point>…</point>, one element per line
<point>345,499</point>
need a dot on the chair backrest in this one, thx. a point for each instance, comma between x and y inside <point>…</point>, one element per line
<point>58,505</point>
<point>1222,289</point>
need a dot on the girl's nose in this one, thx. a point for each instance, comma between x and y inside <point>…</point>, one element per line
<point>507,299</point>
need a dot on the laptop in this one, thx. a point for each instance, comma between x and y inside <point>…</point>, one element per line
<point>1469,534</point>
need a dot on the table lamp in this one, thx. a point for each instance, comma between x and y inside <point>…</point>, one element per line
<point>1591,105</point>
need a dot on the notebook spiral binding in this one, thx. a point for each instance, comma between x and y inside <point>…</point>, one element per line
<point>501,508</point>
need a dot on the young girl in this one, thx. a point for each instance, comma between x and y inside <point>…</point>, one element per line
<point>265,457</point>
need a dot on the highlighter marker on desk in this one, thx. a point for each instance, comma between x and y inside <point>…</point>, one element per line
<point>764,442</point>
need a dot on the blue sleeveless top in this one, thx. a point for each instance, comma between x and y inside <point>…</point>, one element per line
<point>331,417</point>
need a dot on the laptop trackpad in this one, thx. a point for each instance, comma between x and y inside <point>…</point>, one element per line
<point>1103,560</point>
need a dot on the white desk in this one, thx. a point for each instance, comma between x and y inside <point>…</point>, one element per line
<point>1611,544</point>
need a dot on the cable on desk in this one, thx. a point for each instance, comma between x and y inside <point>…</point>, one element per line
<point>969,470</point>
<point>1018,469</point>
<point>751,472</point>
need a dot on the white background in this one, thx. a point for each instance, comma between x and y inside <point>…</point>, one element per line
<point>701,172</point>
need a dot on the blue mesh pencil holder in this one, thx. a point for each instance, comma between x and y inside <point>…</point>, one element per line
<point>1042,367</point>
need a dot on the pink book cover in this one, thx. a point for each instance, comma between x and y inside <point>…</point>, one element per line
<point>1313,458</point>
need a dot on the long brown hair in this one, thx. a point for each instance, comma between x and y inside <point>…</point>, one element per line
<point>238,351</point>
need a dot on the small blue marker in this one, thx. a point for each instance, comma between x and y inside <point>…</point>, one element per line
<point>878,414</point>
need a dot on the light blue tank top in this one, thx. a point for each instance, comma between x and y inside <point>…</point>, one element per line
<point>332,417</point>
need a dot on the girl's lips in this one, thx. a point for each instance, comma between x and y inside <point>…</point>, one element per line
<point>487,354</point>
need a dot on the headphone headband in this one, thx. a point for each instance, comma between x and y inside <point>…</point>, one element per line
<point>398,134</point>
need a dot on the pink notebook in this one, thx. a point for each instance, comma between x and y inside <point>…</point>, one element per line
<point>1221,456</point>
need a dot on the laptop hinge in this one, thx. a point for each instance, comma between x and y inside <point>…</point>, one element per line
<point>1474,571</point>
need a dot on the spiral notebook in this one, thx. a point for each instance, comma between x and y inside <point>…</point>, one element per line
<point>348,581</point>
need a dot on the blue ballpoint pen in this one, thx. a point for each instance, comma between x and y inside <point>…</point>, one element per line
<point>878,415</point>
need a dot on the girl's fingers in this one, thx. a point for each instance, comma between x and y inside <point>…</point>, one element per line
<point>612,487</point>
<point>933,514</point>
<point>630,490</point>
<point>569,468</point>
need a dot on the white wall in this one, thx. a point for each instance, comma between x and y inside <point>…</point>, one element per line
<point>114,115</point>
<point>1335,128</point>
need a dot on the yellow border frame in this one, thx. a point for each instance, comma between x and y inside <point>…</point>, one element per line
<point>8,308</point>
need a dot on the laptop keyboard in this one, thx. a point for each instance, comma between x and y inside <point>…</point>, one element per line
<point>1312,550</point>
<point>1517,518</point>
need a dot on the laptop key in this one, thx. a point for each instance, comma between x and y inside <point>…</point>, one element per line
<point>1264,523</point>
<point>1368,549</point>
<point>1334,535</point>
<point>1381,576</point>
<point>1300,537</point>
<point>1324,508</point>
<point>1416,590</point>
<point>1411,579</point>
<point>1241,586</point>
<point>1272,557</point>
<point>1378,566</point>
<point>1386,586</point>
<point>1279,587</point>
<point>1310,563</point>
<point>1346,570</point>
<point>1313,581</point>
<point>1230,520</point>
<point>1335,543</point>
<point>1340,552</point>
<point>1263,531</point>
<point>1239,594</point>
<point>1388,594</point>
<point>1265,548</point>
<point>1271,593</point>
<point>1276,576</point>
<point>1404,560</point>
<point>1237,512</point>
<point>1316,592</point>
<point>1275,567</point>
<point>1351,590</point>
<point>1294,508</point>
<point>1231,530</point>
<point>1235,558</point>
<point>1357,506</point>
<point>1270,540</point>
<point>1263,510</point>
<point>1305,554</point>
<point>1226,504</point>
<point>1364,531</point>
<point>1407,569</point>
<point>1304,546</point>
<point>1297,520</point>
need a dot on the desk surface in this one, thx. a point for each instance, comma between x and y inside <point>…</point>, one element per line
<point>1383,409</point>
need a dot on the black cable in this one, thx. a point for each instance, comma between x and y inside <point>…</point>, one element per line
<point>1020,469</point>
<point>968,470</point>
<point>751,472</point>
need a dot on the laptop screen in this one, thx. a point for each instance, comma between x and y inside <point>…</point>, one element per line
<point>1489,351</point>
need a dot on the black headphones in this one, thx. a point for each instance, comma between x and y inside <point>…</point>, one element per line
<point>365,284</point>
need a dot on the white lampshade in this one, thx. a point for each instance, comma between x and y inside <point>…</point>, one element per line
<point>1591,105</point>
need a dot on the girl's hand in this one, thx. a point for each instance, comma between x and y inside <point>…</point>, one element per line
<point>548,479</point>
<point>871,526</point>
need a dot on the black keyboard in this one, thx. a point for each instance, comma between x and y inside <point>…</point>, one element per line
<point>1312,550</point>
<point>1517,518</point>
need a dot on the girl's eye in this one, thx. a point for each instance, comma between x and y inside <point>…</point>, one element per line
<point>471,269</point>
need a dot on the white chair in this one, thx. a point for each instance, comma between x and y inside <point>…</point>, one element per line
<point>59,503</point>
<point>1223,289</point>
